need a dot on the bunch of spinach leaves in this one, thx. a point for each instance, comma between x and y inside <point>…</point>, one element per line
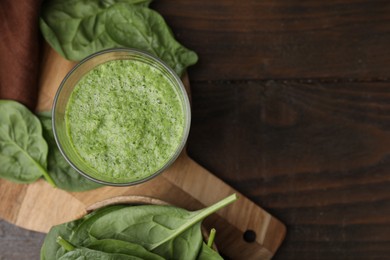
<point>78,28</point>
<point>28,150</point>
<point>133,232</point>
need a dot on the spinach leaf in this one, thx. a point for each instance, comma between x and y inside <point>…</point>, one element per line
<point>50,248</point>
<point>58,168</point>
<point>145,29</point>
<point>184,246</point>
<point>107,248</point>
<point>23,151</point>
<point>81,235</point>
<point>122,247</point>
<point>133,232</point>
<point>89,254</point>
<point>152,226</point>
<point>207,253</point>
<point>78,28</point>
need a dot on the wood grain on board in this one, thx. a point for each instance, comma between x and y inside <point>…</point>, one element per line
<point>39,206</point>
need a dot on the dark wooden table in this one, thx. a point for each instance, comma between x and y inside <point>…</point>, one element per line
<point>291,106</point>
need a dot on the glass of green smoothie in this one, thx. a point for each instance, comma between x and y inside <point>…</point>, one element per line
<point>121,117</point>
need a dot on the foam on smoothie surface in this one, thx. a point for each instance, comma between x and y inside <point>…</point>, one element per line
<point>125,120</point>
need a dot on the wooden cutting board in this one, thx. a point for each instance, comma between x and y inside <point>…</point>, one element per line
<point>39,206</point>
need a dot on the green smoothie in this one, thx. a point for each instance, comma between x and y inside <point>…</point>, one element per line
<point>125,119</point>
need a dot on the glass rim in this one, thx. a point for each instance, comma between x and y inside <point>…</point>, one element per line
<point>185,105</point>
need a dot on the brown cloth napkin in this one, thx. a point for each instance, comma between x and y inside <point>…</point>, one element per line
<point>19,50</point>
